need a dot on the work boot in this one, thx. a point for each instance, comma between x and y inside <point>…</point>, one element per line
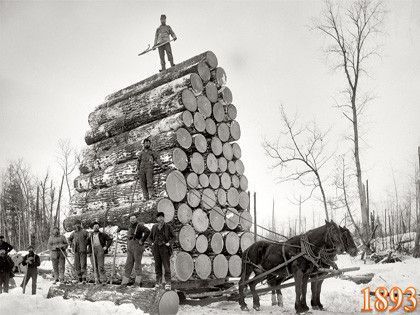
<point>137,281</point>
<point>125,281</point>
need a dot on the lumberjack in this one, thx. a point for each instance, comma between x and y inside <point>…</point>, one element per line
<point>162,36</point>
<point>33,262</point>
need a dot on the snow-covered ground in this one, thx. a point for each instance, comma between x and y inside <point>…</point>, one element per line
<point>338,296</point>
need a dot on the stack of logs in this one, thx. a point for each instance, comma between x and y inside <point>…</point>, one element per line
<point>187,113</point>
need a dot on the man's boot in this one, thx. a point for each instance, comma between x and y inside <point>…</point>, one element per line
<point>125,281</point>
<point>137,281</point>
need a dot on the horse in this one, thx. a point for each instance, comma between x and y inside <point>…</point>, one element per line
<point>350,248</point>
<point>303,254</point>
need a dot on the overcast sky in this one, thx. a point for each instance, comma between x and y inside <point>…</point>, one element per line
<point>58,60</point>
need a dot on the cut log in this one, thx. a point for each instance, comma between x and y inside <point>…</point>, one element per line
<point>214,180</point>
<point>193,198</point>
<point>200,143</point>
<point>167,207</point>
<point>227,151</point>
<point>233,197</point>
<point>181,69</point>
<point>222,197</point>
<point>159,95</point>
<point>235,266</point>
<point>232,112</point>
<point>192,180</point>
<point>235,181</point>
<point>208,199</point>
<point>231,241</point>
<point>199,220</point>
<point>184,213</point>
<point>201,243</point>
<point>216,146</point>
<point>236,149</point>
<point>197,163</point>
<point>212,163</point>
<point>243,183</point>
<point>148,300</point>
<point>216,243</point>
<point>187,118</point>
<point>142,115</point>
<point>203,179</point>
<point>223,132</point>
<point>176,186</point>
<point>202,266</point>
<point>217,218</point>
<point>204,72</point>
<point>243,200</point>
<point>225,96</point>
<point>211,127</point>
<point>220,266</point>
<point>235,130</point>
<point>187,237</point>
<point>219,112</point>
<point>211,92</point>
<point>231,167</point>
<point>182,265</point>
<point>222,164</point>
<point>199,122</point>
<point>204,106</point>
<point>245,220</point>
<point>184,138</point>
<point>239,166</point>
<point>232,218</point>
<point>225,181</point>
<point>218,76</point>
<point>246,240</point>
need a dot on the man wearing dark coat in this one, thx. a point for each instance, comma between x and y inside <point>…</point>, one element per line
<point>32,261</point>
<point>162,36</point>
<point>4,245</point>
<point>6,267</point>
<point>79,240</point>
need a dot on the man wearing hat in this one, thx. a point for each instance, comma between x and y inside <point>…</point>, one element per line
<point>32,261</point>
<point>137,235</point>
<point>145,166</point>
<point>162,238</point>
<point>162,36</point>
<point>6,267</point>
<point>4,245</point>
<point>57,245</point>
<point>79,240</point>
<point>98,245</point>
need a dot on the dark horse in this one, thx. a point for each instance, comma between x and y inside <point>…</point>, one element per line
<point>263,256</point>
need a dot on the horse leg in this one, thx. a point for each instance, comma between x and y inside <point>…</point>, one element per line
<point>255,297</point>
<point>304,290</point>
<point>244,277</point>
<point>314,295</point>
<point>279,298</point>
<point>318,297</point>
<point>298,274</point>
<point>272,283</point>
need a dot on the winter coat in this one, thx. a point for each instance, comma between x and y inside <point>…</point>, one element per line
<point>55,243</point>
<point>6,264</point>
<point>79,241</point>
<point>146,159</point>
<point>169,235</point>
<point>6,246</point>
<point>138,232</point>
<point>36,262</point>
<point>104,239</point>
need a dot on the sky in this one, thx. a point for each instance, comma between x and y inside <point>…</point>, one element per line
<point>59,59</point>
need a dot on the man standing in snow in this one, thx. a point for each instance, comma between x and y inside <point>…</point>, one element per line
<point>6,267</point>
<point>4,245</point>
<point>162,36</point>
<point>162,238</point>
<point>57,245</point>
<point>79,240</point>
<point>137,235</point>
<point>99,243</point>
<point>33,262</point>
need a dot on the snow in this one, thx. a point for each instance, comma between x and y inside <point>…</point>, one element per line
<point>338,296</point>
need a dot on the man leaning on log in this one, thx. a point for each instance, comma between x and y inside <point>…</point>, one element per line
<point>136,236</point>
<point>79,240</point>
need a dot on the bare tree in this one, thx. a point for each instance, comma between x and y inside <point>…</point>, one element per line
<point>301,156</point>
<point>352,33</point>
<point>416,252</point>
<point>68,159</point>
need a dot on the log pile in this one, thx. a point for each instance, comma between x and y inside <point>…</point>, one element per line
<point>188,115</point>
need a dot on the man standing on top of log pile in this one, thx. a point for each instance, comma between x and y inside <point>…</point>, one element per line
<point>98,245</point>
<point>162,36</point>
<point>162,238</point>
<point>136,236</point>
<point>145,167</point>
<point>79,240</point>
<point>57,244</point>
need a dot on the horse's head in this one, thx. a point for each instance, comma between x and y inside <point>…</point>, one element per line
<point>349,245</point>
<point>333,237</point>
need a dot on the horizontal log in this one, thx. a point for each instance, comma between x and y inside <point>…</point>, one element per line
<point>217,218</point>
<point>187,118</point>
<point>232,218</point>
<point>239,166</point>
<point>159,95</point>
<point>243,200</point>
<point>231,112</point>
<point>221,197</point>
<point>235,181</point>
<point>211,127</point>
<point>220,266</point>
<point>245,220</point>
<point>184,213</point>
<point>225,181</point>
<point>204,105</point>
<point>192,180</point>
<point>231,167</point>
<point>225,95</point>
<point>202,266</point>
<point>235,130</point>
<point>199,122</point>
<point>197,163</point>
<point>216,146</point>
<point>216,243</point>
<point>235,266</point>
<point>227,151</point>
<point>211,92</point>
<point>223,132</point>
<point>208,199</point>
<point>193,198</point>
<point>236,150</point>
<point>233,197</point>
<point>200,142</point>
<point>219,77</point>
<point>187,238</point>
<point>243,183</point>
<point>182,266</point>
<point>214,180</point>
<point>212,164</point>
<point>246,240</point>
<point>201,243</point>
<point>204,181</point>
<point>199,220</point>
<point>219,112</point>
<point>231,242</point>
<point>222,164</point>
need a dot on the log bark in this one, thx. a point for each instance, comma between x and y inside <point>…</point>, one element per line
<point>202,266</point>
<point>197,163</point>
<point>222,164</point>
<point>199,220</point>
<point>181,69</point>
<point>182,265</point>
<point>231,241</point>
<point>214,181</point>
<point>245,220</point>
<point>216,243</point>
<point>211,93</point>
<point>232,218</point>
<point>236,149</point>
<point>184,213</point>
<point>220,266</point>
<point>211,127</point>
<point>246,240</point>
<point>199,122</point>
<point>219,77</point>
<point>149,300</point>
<point>243,200</point>
<point>227,151</point>
<point>217,218</point>
<point>201,243</point>
<point>235,266</point>
<point>225,96</point>
<point>187,238</point>
<point>216,146</point>
<point>212,163</point>
<point>158,95</point>
<point>204,105</point>
<point>233,197</point>
<point>208,199</point>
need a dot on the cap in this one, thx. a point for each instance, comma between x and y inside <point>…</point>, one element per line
<point>94,223</point>
<point>163,16</point>
<point>160,214</point>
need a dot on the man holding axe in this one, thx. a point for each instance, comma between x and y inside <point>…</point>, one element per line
<point>162,36</point>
